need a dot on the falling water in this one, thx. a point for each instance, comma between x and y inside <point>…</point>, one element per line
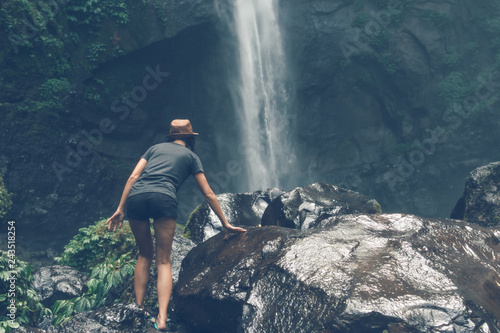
<point>262,95</point>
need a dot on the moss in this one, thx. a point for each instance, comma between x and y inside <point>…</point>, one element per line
<point>187,230</point>
<point>377,207</point>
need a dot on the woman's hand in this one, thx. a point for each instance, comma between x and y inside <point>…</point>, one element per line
<point>232,230</point>
<point>115,221</point>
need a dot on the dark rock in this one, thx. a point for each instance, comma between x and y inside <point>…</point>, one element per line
<point>57,283</point>
<point>480,202</point>
<point>117,318</point>
<point>180,248</point>
<point>304,207</point>
<point>359,273</point>
<point>242,209</point>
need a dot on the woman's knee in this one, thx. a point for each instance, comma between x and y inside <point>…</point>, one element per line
<point>146,253</point>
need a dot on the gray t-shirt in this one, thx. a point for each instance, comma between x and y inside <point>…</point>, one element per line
<point>168,166</point>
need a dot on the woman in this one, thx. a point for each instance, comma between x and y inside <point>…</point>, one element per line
<point>150,192</point>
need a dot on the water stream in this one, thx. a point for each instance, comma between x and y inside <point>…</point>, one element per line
<point>262,99</point>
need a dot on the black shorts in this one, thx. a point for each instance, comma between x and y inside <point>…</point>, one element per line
<point>151,205</point>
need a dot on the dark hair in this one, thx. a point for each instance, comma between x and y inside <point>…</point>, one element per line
<point>190,142</point>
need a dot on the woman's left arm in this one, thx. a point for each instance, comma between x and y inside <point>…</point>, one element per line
<point>117,219</point>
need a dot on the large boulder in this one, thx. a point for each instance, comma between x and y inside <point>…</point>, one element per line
<point>480,202</point>
<point>243,209</point>
<point>58,282</point>
<point>304,207</point>
<point>358,273</point>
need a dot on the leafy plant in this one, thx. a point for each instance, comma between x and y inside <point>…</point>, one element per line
<point>54,89</point>
<point>5,199</point>
<point>454,88</point>
<point>104,276</point>
<point>379,40</point>
<point>95,244</point>
<point>439,19</point>
<point>16,285</point>
<point>95,51</point>
<point>452,58</point>
<point>91,13</point>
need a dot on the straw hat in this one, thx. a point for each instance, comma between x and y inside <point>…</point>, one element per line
<point>180,128</point>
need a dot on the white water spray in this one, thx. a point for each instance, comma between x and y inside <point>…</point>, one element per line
<point>262,95</point>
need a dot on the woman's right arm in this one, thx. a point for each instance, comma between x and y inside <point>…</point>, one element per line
<point>117,219</point>
<point>214,204</point>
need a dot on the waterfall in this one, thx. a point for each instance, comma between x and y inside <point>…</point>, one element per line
<point>261,94</point>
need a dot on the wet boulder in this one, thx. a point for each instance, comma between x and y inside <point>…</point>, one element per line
<point>118,318</point>
<point>304,207</point>
<point>480,202</point>
<point>245,209</point>
<point>58,282</point>
<point>357,273</point>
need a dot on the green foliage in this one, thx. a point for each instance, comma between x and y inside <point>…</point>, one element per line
<point>403,148</point>
<point>491,25</point>
<point>452,58</point>
<point>454,88</point>
<point>471,48</point>
<point>106,256</point>
<point>104,276</point>
<point>52,93</point>
<point>379,40</point>
<point>388,61</point>
<point>95,53</point>
<point>54,89</point>
<point>95,244</point>
<point>27,303</point>
<point>91,13</point>
<point>5,199</point>
<point>439,19</point>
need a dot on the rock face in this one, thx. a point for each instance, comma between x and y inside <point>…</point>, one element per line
<point>305,207</point>
<point>242,209</point>
<point>357,273</point>
<point>480,202</point>
<point>57,283</point>
<point>398,68</point>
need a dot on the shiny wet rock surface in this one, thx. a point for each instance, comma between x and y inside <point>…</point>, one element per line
<point>354,273</point>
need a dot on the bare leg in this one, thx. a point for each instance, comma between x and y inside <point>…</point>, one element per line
<point>164,232</point>
<point>144,241</point>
